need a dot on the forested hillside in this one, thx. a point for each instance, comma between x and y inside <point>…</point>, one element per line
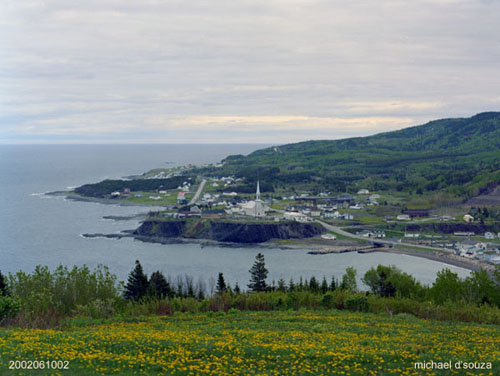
<point>461,156</point>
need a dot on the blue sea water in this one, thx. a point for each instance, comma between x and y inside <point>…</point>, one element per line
<point>36,229</point>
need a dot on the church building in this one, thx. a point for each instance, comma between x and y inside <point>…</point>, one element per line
<point>255,208</point>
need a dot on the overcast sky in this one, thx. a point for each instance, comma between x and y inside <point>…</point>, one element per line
<point>256,71</point>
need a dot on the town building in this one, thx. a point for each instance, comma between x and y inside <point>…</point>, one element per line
<point>255,208</point>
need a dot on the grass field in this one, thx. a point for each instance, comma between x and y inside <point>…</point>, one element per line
<point>255,343</point>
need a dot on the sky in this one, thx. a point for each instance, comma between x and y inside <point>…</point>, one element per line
<point>245,71</point>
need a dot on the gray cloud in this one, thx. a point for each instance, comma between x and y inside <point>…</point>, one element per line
<point>118,71</point>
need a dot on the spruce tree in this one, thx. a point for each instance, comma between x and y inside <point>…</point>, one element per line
<point>324,285</point>
<point>300,287</point>
<point>333,284</point>
<point>190,288</point>
<point>291,285</point>
<point>281,285</point>
<point>137,284</point>
<point>158,286</point>
<point>237,289</point>
<point>258,274</point>
<point>221,284</point>
<point>201,294</point>
<point>4,291</point>
<point>313,284</point>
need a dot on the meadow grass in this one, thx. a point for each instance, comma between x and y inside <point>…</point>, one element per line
<point>255,343</point>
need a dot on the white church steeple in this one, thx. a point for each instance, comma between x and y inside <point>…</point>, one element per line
<point>257,194</point>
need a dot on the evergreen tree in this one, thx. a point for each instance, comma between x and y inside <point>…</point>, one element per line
<point>258,274</point>
<point>200,295</point>
<point>324,285</point>
<point>221,284</point>
<point>4,291</point>
<point>301,284</point>
<point>158,286</point>
<point>180,291</point>
<point>281,285</point>
<point>333,284</point>
<point>200,289</point>
<point>190,288</point>
<point>291,285</point>
<point>237,289</point>
<point>137,284</point>
<point>313,284</point>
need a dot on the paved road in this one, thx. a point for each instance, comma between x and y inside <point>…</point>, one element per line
<point>198,192</point>
<point>338,230</point>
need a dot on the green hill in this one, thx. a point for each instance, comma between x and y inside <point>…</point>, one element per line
<point>461,156</point>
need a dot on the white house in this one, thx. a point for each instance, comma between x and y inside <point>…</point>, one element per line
<point>363,192</point>
<point>468,218</point>
<point>298,217</point>
<point>411,235</point>
<point>347,217</point>
<point>330,214</point>
<point>489,235</point>
<point>403,217</point>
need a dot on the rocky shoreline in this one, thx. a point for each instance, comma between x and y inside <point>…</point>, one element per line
<point>315,249</point>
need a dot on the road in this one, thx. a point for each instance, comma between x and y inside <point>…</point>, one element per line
<point>198,192</point>
<point>338,230</point>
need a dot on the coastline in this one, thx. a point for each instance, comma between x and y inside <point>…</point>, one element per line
<point>472,265</point>
<point>445,258</point>
<point>105,201</point>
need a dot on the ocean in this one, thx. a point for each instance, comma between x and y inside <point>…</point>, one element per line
<point>36,229</point>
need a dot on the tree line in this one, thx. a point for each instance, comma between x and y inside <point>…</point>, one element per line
<point>45,298</point>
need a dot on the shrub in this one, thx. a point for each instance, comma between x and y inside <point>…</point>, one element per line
<point>9,307</point>
<point>356,303</point>
<point>61,291</point>
<point>327,301</point>
<point>96,309</point>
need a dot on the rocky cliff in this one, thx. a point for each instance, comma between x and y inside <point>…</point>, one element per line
<point>227,231</point>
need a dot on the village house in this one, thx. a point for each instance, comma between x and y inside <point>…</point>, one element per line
<point>330,214</point>
<point>468,218</point>
<point>403,217</point>
<point>411,235</point>
<point>347,217</point>
<point>489,235</point>
<point>372,233</point>
<point>298,217</point>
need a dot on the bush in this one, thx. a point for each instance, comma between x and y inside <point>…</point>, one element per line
<point>9,307</point>
<point>356,303</point>
<point>61,291</point>
<point>97,309</point>
<point>327,301</point>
